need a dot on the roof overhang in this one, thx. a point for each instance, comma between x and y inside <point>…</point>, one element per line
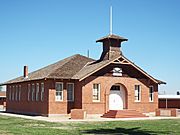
<point>169,97</point>
<point>123,60</point>
<point>116,37</point>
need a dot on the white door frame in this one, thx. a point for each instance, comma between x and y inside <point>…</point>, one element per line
<point>117,98</point>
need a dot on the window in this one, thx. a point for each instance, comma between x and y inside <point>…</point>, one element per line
<point>33,92</point>
<point>29,91</point>
<point>13,93</point>
<point>9,93</point>
<point>151,94</point>
<point>37,92</point>
<point>70,91</point>
<point>96,92</point>
<point>59,91</point>
<point>42,91</point>
<point>19,92</point>
<point>137,93</point>
<point>16,93</point>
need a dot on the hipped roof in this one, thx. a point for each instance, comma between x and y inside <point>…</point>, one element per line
<point>76,67</point>
<point>63,69</point>
<point>112,36</point>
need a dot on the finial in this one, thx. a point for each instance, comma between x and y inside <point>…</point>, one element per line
<point>111,20</point>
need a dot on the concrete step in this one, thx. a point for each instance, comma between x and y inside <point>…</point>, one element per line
<point>123,114</point>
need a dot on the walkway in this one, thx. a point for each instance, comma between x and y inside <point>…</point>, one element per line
<point>92,118</point>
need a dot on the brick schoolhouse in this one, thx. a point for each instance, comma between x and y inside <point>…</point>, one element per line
<point>110,83</point>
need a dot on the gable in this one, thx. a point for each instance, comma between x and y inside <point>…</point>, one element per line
<point>124,71</point>
<point>130,69</point>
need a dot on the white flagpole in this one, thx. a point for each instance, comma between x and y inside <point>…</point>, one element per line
<point>111,20</point>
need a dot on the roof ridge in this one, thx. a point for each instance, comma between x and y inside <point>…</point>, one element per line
<point>83,68</point>
<point>69,58</point>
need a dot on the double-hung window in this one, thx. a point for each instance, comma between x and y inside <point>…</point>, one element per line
<point>29,91</point>
<point>33,92</point>
<point>9,93</point>
<point>137,94</point>
<point>16,93</point>
<point>59,91</point>
<point>70,91</point>
<point>42,91</point>
<point>19,93</point>
<point>96,92</point>
<point>151,94</point>
<point>37,92</point>
<point>13,91</point>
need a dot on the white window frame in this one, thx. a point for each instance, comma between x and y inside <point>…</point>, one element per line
<point>99,95</point>
<point>42,91</point>
<point>33,92</point>
<point>9,93</point>
<point>16,93</point>
<point>72,92</point>
<point>138,93</point>
<point>37,91</point>
<point>19,93</point>
<point>151,94</point>
<point>29,92</point>
<point>57,97</point>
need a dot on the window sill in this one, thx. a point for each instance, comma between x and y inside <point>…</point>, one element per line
<point>58,100</point>
<point>96,101</point>
<point>137,101</point>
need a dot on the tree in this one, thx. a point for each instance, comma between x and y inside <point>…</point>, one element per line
<point>1,88</point>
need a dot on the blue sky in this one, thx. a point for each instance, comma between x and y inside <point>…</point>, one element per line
<point>40,32</point>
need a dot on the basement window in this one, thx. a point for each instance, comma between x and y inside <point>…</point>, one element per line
<point>96,92</point>
<point>59,91</point>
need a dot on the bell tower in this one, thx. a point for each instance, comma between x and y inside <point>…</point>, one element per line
<point>111,43</point>
<point>111,46</point>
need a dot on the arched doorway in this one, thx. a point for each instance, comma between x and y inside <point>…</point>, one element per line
<point>117,97</point>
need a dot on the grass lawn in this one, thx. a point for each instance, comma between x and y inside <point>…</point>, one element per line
<point>19,126</point>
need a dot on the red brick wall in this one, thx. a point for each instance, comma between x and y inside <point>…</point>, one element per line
<point>59,107</point>
<point>171,103</point>
<point>83,96</point>
<point>106,83</point>
<point>25,106</point>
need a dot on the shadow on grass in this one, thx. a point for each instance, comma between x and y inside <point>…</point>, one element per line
<point>122,131</point>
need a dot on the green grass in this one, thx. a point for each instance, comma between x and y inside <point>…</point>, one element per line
<point>19,126</point>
